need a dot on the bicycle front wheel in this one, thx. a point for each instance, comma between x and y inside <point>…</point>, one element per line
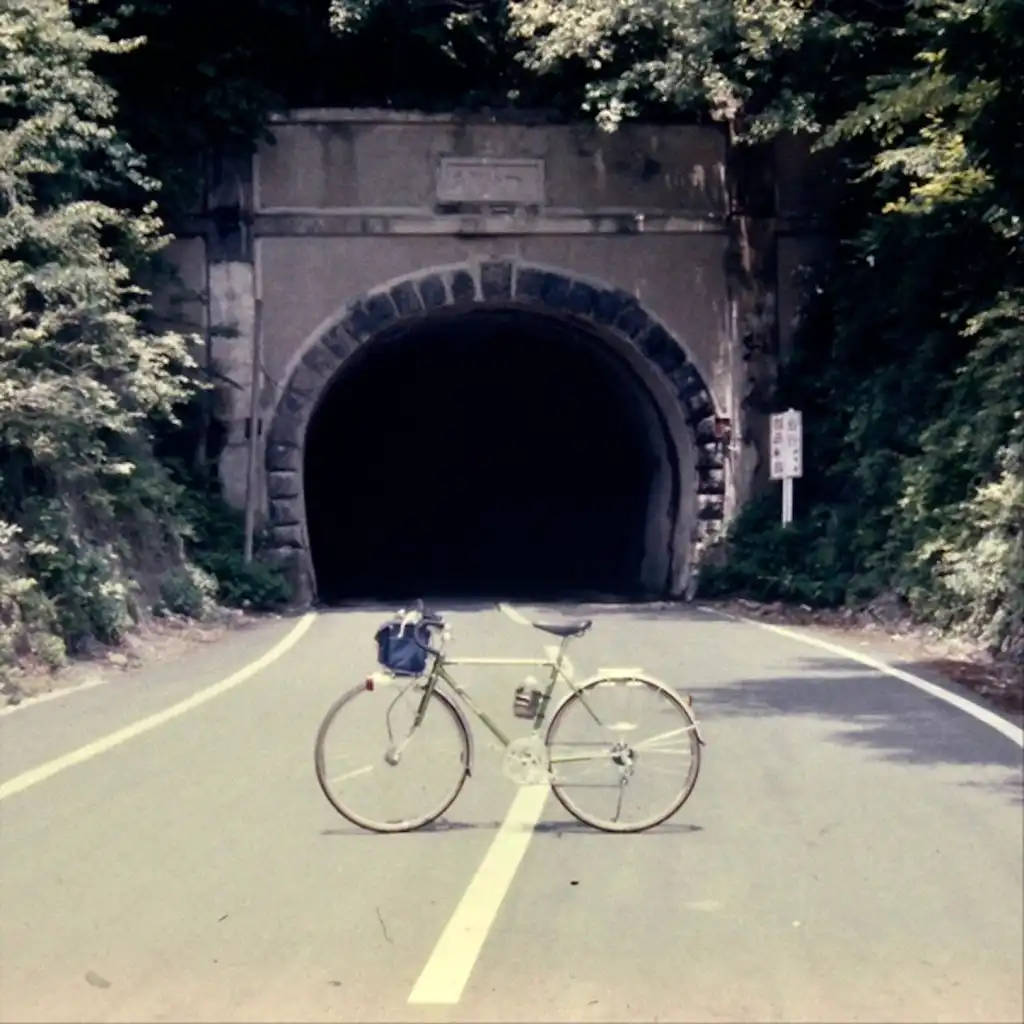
<point>382,772</point>
<point>624,754</point>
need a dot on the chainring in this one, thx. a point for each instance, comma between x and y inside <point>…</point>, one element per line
<point>526,762</point>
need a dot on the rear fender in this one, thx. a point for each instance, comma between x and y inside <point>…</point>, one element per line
<point>626,674</point>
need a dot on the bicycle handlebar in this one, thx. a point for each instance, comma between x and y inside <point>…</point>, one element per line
<point>431,620</point>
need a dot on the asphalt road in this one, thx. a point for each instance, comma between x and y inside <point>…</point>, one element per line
<point>853,851</point>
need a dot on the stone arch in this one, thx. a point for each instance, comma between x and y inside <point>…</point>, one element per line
<point>609,313</point>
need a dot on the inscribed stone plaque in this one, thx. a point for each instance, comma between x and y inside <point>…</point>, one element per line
<point>487,180</point>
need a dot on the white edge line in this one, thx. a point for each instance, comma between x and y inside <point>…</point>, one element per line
<point>982,714</point>
<point>443,979</point>
<point>45,771</point>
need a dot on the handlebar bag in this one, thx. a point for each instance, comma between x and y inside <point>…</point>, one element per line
<point>397,647</point>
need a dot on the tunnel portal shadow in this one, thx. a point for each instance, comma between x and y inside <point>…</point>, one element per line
<point>489,454</point>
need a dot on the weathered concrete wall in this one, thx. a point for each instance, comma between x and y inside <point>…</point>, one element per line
<point>376,160</point>
<point>678,278</point>
<point>181,305</point>
<point>345,204</point>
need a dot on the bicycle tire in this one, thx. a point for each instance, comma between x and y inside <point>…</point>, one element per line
<point>654,820</point>
<point>361,820</point>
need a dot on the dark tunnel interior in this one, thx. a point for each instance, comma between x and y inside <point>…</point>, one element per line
<point>486,455</point>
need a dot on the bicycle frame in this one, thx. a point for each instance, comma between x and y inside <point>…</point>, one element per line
<point>557,665</point>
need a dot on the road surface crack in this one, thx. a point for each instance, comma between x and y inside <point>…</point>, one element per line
<point>383,926</point>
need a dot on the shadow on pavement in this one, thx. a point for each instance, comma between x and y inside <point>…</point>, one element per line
<point>543,828</point>
<point>390,607</point>
<point>869,710</point>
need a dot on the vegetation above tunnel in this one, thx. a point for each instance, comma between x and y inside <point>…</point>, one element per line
<point>909,361</point>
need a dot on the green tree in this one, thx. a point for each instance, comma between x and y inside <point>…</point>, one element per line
<point>84,507</point>
<point>909,364</point>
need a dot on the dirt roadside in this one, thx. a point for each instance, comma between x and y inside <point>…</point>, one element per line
<point>893,638</point>
<point>154,641</point>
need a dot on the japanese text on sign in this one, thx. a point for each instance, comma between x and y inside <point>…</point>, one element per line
<point>787,442</point>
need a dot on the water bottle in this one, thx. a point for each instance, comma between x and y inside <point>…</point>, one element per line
<point>527,699</point>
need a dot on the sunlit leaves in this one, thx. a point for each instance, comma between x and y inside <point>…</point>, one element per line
<point>76,364</point>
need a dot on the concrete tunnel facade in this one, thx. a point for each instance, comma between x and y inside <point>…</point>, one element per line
<point>324,268</point>
<point>678,498</point>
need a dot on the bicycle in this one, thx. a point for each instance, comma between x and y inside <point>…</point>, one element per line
<point>404,649</point>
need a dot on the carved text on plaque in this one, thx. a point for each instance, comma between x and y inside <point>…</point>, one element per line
<point>488,180</point>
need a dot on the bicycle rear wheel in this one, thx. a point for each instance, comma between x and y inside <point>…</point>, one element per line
<point>378,770</point>
<point>615,740</point>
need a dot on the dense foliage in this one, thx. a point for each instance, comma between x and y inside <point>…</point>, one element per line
<point>91,524</point>
<point>909,362</point>
<point>80,375</point>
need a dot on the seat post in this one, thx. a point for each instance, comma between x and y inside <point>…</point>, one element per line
<point>562,647</point>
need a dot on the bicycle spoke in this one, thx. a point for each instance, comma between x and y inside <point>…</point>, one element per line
<point>383,772</point>
<point>646,770</point>
<point>658,742</point>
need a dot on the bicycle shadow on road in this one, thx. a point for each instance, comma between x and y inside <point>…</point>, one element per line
<point>558,829</point>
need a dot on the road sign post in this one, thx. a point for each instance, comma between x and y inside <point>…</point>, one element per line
<point>787,455</point>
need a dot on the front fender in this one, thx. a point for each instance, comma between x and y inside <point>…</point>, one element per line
<point>461,716</point>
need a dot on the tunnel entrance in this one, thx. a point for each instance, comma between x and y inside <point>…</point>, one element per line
<point>482,454</point>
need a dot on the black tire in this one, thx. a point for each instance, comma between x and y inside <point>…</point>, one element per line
<point>441,704</point>
<point>663,815</point>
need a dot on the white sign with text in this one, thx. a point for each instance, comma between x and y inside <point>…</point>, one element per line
<point>787,455</point>
<point>787,444</point>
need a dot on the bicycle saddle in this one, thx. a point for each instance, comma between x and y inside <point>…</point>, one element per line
<point>572,627</point>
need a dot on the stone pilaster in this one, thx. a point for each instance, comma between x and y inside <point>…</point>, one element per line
<point>751,275</point>
<point>232,306</point>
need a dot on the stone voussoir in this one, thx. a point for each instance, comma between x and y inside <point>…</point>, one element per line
<point>582,299</point>
<point>656,343</point>
<point>406,299</point>
<point>556,291</point>
<point>710,506</point>
<point>339,341</point>
<point>368,316</point>
<point>285,512</point>
<point>283,484</point>
<point>283,458</point>
<point>288,536</point>
<point>287,430</point>
<point>433,292</point>
<point>306,381</point>
<point>543,287</point>
<point>710,456</point>
<point>708,530</point>
<point>321,360</point>
<point>496,280</point>
<point>710,481</point>
<point>632,321</point>
<point>295,401</point>
<point>610,306</point>
<point>528,285</point>
<point>704,426</point>
<point>462,287</point>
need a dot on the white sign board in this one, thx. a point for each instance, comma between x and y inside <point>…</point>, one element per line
<point>787,445</point>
